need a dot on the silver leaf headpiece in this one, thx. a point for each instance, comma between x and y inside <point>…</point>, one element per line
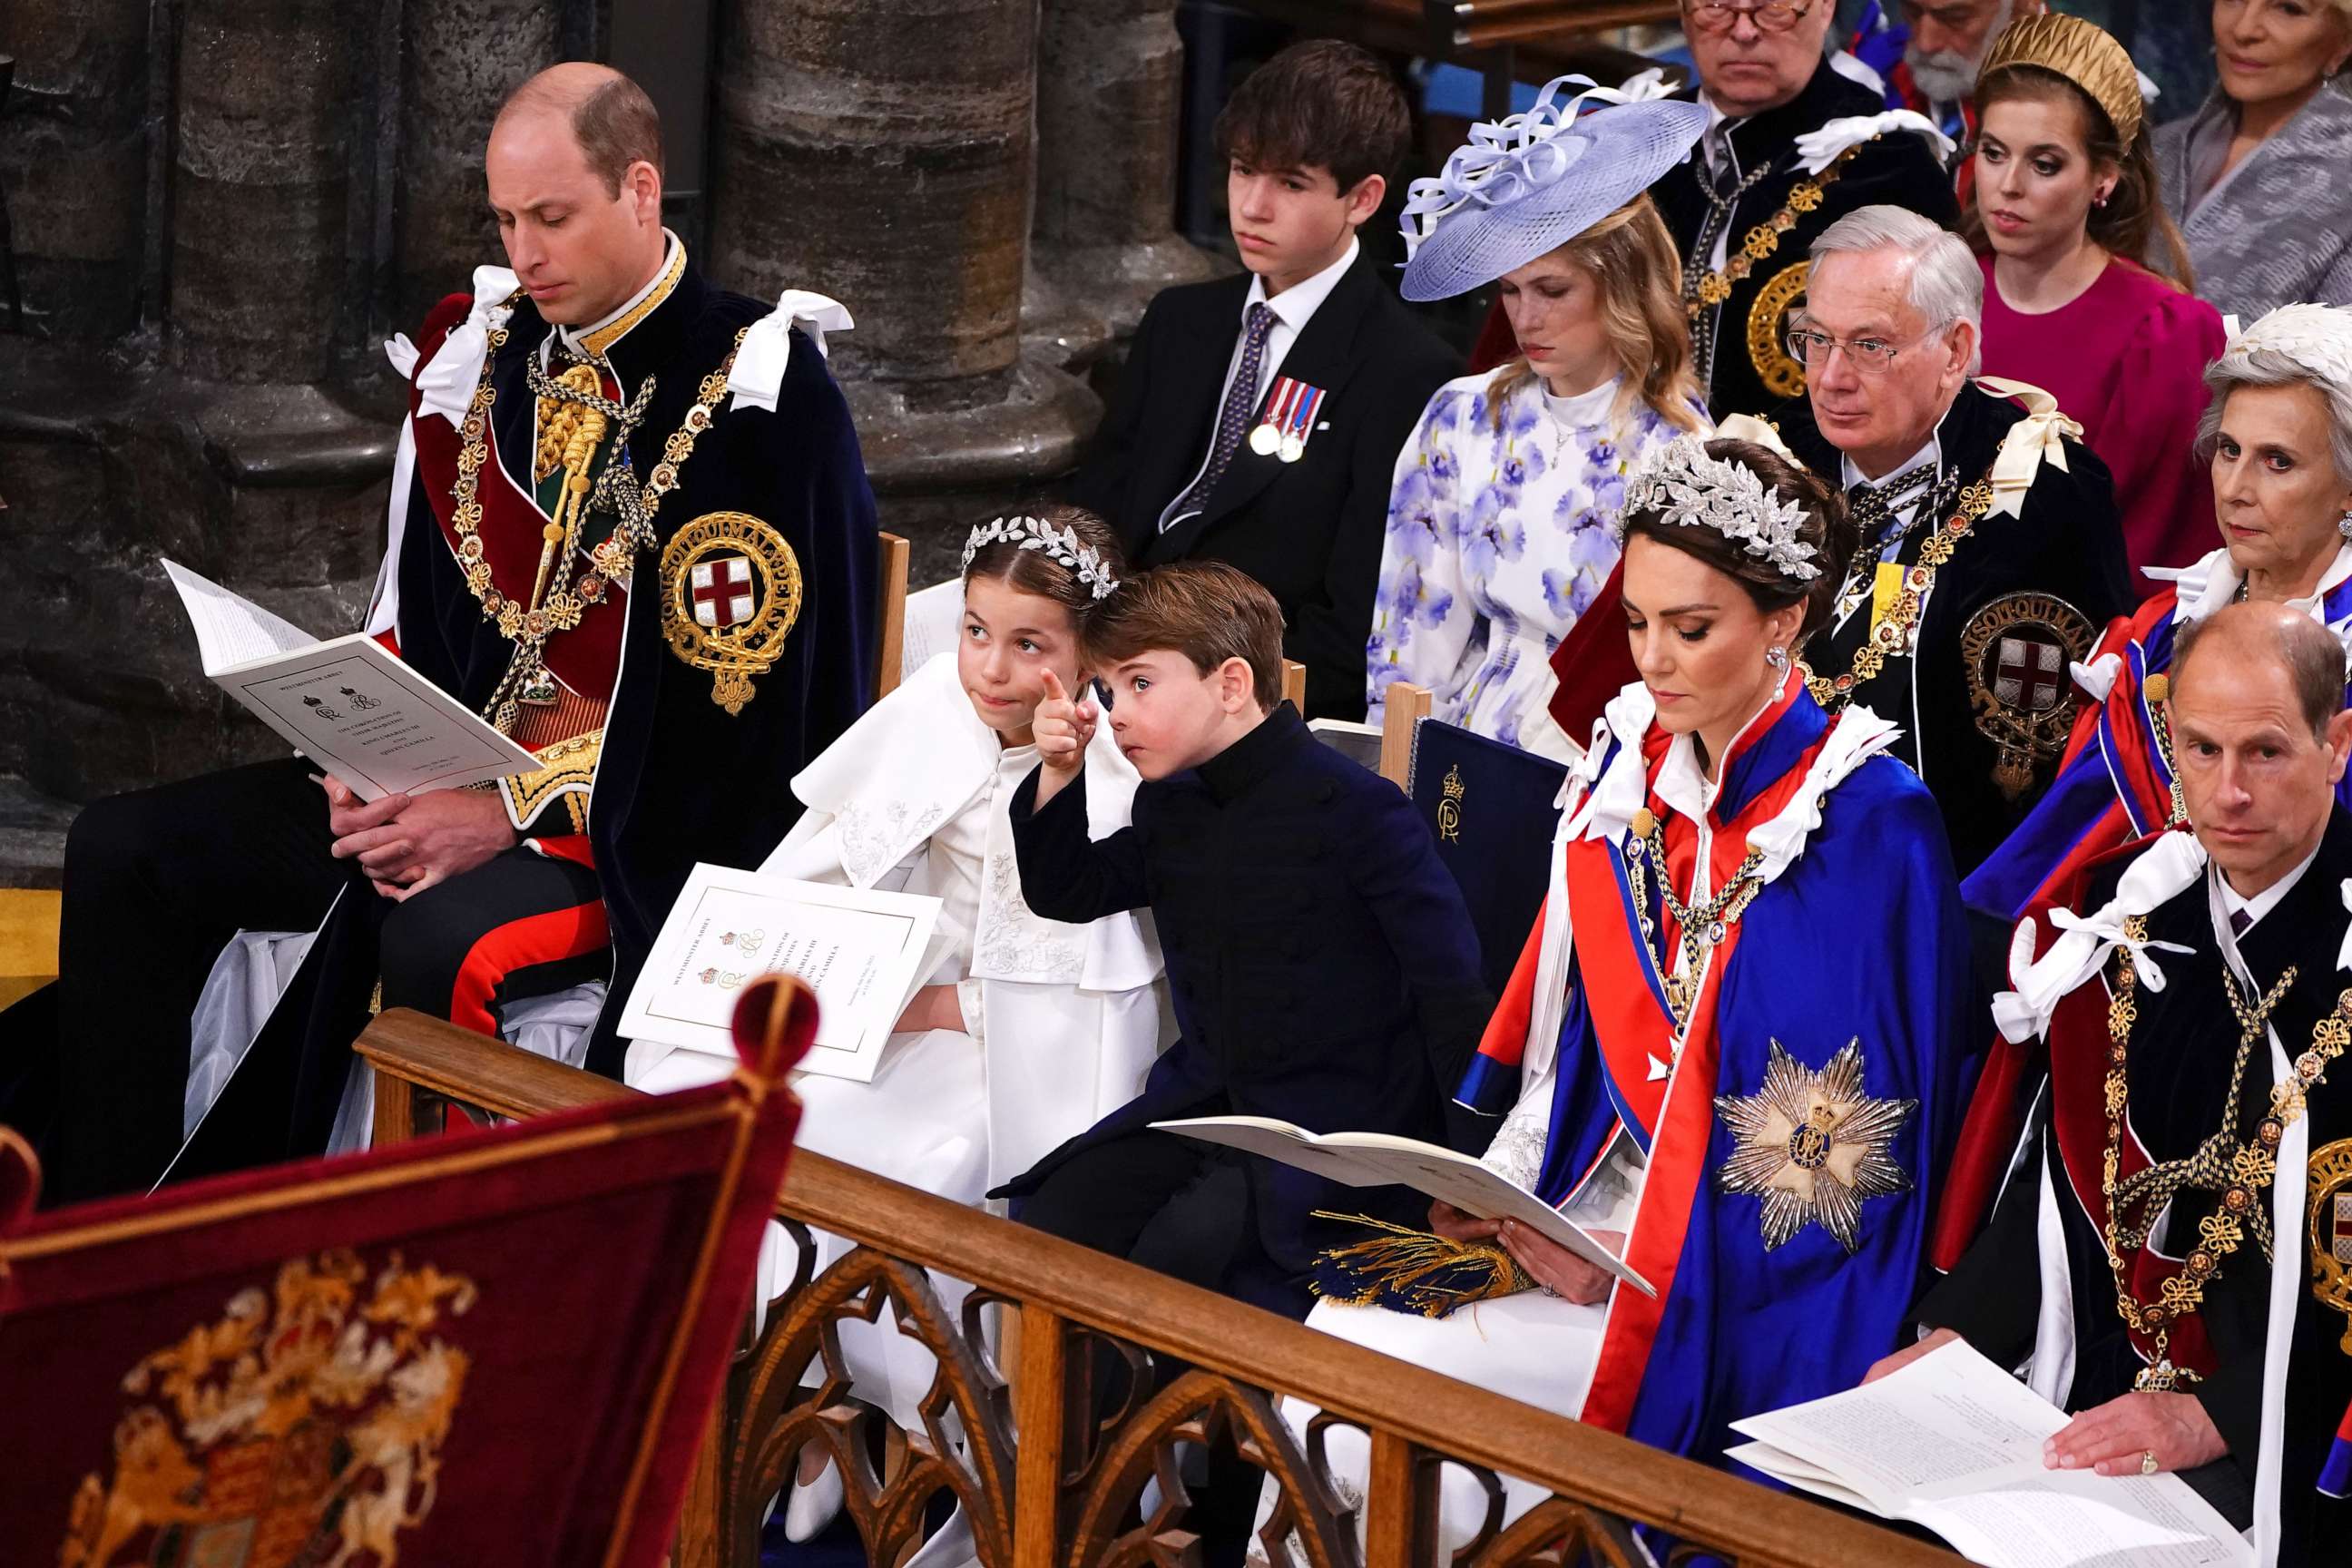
<point>1688,489</point>
<point>1060,545</point>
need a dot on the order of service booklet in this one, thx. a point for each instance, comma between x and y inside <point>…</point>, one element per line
<point>863,951</point>
<point>1954,1444</point>
<point>349,703</point>
<point>1383,1160</point>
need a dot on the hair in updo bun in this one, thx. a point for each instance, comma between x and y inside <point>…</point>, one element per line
<point>1827,531</point>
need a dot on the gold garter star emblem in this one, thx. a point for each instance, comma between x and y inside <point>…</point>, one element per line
<point>1813,1146</point>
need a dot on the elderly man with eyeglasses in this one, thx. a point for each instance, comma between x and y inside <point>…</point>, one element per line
<point>1991,554</point>
<point>1791,146</point>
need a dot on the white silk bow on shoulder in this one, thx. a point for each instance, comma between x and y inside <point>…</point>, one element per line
<point>2040,436</point>
<point>767,348</point>
<point>446,386</point>
<point>2038,986</point>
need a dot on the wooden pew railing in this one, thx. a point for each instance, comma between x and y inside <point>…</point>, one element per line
<point>1044,1482</point>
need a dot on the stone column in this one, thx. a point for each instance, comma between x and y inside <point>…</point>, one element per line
<point>260,186</point>
<point>450,87</point>
<point>1110,74</point>
<point>880,151</point>
<point>73,160</point>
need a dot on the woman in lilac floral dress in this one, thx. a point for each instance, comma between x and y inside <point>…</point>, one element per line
<point>1499,524</point>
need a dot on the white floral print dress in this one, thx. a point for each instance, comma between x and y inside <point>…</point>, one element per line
<point>1498,538</point>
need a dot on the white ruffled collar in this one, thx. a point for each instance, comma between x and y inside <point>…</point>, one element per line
<point>1615,785</point>
<point>2211,583</point>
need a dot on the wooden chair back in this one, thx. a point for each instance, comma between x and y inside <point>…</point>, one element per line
<point>891,614</point>
<point>1293,684</point>
<point>1404,708</point>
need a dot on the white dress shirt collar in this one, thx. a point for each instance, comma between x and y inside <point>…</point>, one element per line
<point>1933,452</point>
<point>1683,785</point>
<point>1296,304</point>
<point>2266,900</point>
<point>1293,308</point>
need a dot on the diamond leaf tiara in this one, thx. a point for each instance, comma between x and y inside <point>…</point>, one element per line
<point>1060,545</point>
<point>1688,488</point>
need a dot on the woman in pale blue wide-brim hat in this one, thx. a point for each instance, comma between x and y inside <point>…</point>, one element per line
<point>1497,531</point>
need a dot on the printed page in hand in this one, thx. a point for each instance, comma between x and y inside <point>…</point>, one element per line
<point>1953,1443</point>
<point>1381,1160</point>
<point>863,951</point>
<point>348,704</point>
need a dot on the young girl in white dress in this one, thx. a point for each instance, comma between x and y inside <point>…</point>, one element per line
<point>1029,1030</point>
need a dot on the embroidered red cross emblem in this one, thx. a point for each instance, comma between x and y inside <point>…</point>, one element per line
<point>721,590</point>
<point>2343,1230</point>
<point>2032,674</point>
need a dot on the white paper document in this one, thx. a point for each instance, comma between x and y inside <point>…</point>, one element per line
<point>1953,1443</point>
<point>863,951</point>
<point>348,704</point>
<point>1383,1160</point>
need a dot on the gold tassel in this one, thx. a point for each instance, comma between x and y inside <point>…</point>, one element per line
<point>1401,1263</point>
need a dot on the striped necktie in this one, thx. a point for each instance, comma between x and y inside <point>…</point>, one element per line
<point>1241,397</point>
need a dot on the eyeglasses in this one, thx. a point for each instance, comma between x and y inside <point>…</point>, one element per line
<point>1869,356</point>
<point>1770,16</point>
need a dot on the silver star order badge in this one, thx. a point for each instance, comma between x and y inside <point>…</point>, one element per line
<point>1813,1146</point>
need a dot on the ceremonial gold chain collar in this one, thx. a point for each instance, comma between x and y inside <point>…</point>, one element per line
<point>2154,690</point>
<point>2238,1170</point>
<point>1890,636</point>
<point>529,626</point>
<point>1713,288</point>
<point>1703,928</point>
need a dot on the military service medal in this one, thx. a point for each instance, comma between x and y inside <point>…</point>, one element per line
<point>1298,417</point>
<point>1266,439</point>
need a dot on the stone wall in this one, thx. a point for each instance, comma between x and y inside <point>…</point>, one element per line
<point>221,207</point>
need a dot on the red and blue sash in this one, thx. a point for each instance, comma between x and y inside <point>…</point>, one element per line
<point>2335,1473</point>
<point>1713,1344</point>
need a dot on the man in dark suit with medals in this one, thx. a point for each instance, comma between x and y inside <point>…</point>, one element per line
<point>1793,147</point>
<point>1990,552</point>
<point>1259,417</point>
<point>2188,1169</point>
<point>631,527</point>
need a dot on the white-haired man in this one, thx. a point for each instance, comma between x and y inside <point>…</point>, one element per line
<point>1990,553</point>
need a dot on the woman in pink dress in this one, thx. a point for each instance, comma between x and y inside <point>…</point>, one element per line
<point>2065,201</point>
